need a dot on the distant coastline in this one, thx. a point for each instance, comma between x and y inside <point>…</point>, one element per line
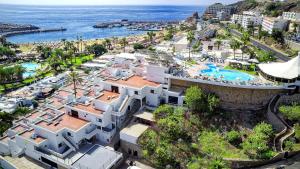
<point>80,22</point>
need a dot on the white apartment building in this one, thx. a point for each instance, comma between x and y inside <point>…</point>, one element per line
<point>247,18</point>
<point>292,16</point>
<point>62,130</point>
<point>270,23</point>
<point>236,19</point>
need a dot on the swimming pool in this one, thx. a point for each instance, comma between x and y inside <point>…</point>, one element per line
<point>30,69</point>
<point>230,75</point>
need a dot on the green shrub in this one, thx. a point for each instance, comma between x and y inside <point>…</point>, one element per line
<point>233,136</point>
<point>288,145</point>
<point>297,131</point>
<point>291,112</point>
<point>137,46</point>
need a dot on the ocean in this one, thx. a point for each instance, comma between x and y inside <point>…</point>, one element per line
<point>79,20</point>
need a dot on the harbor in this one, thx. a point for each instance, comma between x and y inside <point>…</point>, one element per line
<point>137,25</point>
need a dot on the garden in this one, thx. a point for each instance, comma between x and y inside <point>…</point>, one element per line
<point>200,135</point>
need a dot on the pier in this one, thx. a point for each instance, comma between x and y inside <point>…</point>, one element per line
<point>8,34</point>
<point>137,25</point>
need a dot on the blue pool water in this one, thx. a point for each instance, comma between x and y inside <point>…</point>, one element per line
<point>229,75</point>
<point>30,69</point>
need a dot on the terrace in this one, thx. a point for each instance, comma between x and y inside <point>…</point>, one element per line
<point>108,97</point>
<point>88,109</point>
<point>30,135</point>
<point>65,121</point>
<point>134,81</point>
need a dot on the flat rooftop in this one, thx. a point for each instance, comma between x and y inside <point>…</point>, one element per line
<point>98,157</point>
<point>145,115</point>
<point>63,93</point>
<point>18,128</point>
<point>89,109</point>
<point>135,81</point>
<point>56,102</point>
<point>134,129</point>
<point>66,121</point>
<point>28,135</point>
<point>33,116</point>
<point>107,96</point>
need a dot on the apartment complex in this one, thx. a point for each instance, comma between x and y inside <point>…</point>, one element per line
<point>292,16</point>
<point>271,23</point>
<point>247,18</point>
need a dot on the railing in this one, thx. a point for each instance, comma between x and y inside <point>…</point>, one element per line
<point>123,103</point>
<point>69,142</point>
<point>90,133</point>
<point>286,132</point>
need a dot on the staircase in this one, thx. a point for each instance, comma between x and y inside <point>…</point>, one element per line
<point>135,107</point>
<point>69,142</point>
<point>286,132</point>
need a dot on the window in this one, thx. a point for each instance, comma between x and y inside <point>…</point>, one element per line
<point>136,92</point>
<point>151,91</point>
<point>59,145</point>
<point>69,134</point>
<point>100,120</point>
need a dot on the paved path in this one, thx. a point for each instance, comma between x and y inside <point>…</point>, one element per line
<point>278,54</point>
<point>291,163</point>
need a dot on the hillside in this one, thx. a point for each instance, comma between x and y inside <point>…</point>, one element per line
<point>267,7</point>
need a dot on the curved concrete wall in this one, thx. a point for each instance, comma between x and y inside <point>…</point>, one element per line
<point>233,97</point>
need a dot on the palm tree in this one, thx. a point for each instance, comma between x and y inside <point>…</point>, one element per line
<point>19,70</point>
<point>245,40</point>
<point>74,78</point>
<point>218,43</point>
<point>124,43</point>
<point>190,38</point>
<point>107,43</point>
<point>234,44</point>
<point>150,35</point>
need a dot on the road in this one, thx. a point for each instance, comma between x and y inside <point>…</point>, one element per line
<point>260,45</point>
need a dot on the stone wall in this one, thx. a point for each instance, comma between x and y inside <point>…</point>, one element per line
<point>290,99</point>
<point>234,97</point>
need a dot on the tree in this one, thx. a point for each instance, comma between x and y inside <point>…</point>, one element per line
<point>190,38</point>
<point>218,43</point>
<point>278,36</point>
<point>74,78</point>
<point>234,44</point>
<point>256,144</point>
<point>213,102</point>
<point>251,29</point>
<point>107,43</point>
<point>97,49</point>
<point>124,43</point>
<point>245,40</point>
<point>194,98</point>
<point>137,46</point>
<point>150,35</point>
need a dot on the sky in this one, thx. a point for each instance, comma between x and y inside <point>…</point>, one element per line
<point>115,2</point>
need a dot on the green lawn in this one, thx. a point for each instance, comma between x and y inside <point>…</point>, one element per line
<point>245,71</point>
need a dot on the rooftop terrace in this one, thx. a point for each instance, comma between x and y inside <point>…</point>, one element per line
<point>135,81</point>
<point>66,121</point>
<point>28,135</point>
<point>108,96</point>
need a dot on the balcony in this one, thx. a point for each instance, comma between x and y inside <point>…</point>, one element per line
<point>91,132</point>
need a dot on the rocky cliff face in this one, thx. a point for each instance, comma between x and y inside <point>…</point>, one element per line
<point>267,7</point>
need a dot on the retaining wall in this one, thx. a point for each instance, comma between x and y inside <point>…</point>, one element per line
<point>234,97</point>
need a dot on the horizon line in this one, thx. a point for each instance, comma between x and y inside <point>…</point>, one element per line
<point>102,5</point>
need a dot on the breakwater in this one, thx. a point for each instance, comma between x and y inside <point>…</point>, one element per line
<point>8,34</point>
<point>137,25</point>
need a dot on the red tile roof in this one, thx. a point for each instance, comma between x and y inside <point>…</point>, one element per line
<point>135,81</point>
